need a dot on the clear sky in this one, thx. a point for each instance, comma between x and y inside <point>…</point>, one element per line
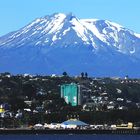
<point>15,14</point>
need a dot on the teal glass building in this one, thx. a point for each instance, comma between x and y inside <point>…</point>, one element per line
<point>71,93</point>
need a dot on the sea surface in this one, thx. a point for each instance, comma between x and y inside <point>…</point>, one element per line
<point>69,137</point>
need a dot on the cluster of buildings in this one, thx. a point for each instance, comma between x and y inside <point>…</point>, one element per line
<point>91,94</point>
<point>69,124</point>
<point>77,124</point>
<point>98,98</point>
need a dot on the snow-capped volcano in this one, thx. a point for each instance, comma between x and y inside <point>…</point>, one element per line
<point>59,42</point>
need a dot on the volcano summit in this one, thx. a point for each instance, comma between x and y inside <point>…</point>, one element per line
<point>59,42</point>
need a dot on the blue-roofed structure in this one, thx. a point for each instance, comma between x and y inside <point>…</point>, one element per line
<point>74,122</point>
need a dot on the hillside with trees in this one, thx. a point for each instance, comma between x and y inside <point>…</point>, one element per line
<point>35,99</point>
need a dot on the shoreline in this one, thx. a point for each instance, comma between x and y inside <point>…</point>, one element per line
<point>69,131</point>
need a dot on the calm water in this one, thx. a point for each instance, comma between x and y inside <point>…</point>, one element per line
<point>69,137</point>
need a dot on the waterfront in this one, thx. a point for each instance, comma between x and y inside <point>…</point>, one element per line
<point>69,137</point>
<point>69,132</point>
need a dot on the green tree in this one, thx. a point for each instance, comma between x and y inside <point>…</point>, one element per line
<point>82,74</point>
<point>65,74</point>
<point>86,74</point>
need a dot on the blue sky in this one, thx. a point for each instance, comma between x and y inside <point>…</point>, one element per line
<point>15,14</point>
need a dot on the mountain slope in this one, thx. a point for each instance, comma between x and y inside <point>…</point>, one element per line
<point>60,42</point>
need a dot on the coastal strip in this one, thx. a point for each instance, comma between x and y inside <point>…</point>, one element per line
<point>71,131</point>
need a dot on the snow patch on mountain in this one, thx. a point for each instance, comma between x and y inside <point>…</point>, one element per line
<point>115,25</point>
<point>65,31</point>
<point>137,35</point>
<point>80,30</point>
<point>89,24</point>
